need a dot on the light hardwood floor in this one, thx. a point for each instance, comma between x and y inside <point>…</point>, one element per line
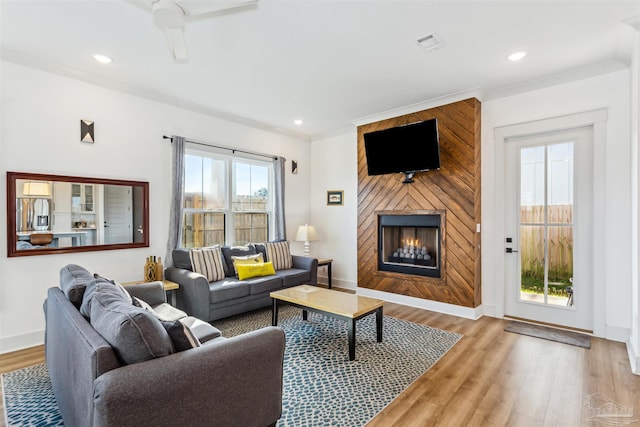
<point>495,378</point>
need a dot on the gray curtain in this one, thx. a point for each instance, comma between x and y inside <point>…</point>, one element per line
<point>278,193</point>
<point>177,192</point>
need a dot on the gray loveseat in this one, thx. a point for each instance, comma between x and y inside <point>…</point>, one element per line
<point>229,296</point>
<point>223,382</point>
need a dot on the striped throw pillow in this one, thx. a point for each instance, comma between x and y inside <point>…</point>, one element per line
<point>208,262</point>
<point>280,255</point>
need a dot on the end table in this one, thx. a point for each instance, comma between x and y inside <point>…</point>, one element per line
<point>327,262</point>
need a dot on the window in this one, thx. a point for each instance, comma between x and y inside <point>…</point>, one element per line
<point>226,200</point>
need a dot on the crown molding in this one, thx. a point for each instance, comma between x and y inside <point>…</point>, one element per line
<point>633,22</point>
<point>141,92</point>
<point>424,105</point>
<point>558,79</point>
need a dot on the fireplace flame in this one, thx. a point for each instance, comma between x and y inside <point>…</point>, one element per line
<point>415,242</point>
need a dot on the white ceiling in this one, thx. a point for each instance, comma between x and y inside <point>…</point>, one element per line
<point>328,62</point>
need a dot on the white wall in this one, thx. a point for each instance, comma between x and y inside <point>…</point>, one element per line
<point>41,115</point>
<point>334,166</point>
<point>335,158</point>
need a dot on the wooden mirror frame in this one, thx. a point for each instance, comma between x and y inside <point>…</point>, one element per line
<point>12,237</point>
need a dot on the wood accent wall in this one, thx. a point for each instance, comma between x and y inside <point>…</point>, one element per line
<point>455,188</point>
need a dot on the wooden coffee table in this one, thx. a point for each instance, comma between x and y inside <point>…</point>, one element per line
<point>341,305</point>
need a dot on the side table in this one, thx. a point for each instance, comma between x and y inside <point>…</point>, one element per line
<point>327,262</point>
<point>169,288</point>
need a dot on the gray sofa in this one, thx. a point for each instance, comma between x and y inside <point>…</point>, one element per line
<point>229,296</point>
<point>222,382</point>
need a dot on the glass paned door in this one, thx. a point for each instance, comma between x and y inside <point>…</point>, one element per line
<point>548,227</point>
<point>546,224</point>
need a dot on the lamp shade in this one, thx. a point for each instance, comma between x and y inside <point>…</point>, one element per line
<point>42,189</point>
<point>306,233</point>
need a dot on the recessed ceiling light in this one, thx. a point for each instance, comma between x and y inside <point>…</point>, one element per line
<point>298,122</point>
<point>517,56</point>
<point>103,59</point>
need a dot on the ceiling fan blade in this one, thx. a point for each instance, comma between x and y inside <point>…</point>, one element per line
<point>177,43</point>
<point>203,7</point>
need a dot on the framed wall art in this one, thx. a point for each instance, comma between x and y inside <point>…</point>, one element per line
<point>335,197</point>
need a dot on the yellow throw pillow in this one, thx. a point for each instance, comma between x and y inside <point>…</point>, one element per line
<point>247,271</point>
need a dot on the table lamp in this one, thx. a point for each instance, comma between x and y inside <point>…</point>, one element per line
<point>306,233</point>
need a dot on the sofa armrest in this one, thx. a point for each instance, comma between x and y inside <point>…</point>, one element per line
<point>151,292</point>
<point>193,294</point>
<point>307,263</point>
<point>237,381</point>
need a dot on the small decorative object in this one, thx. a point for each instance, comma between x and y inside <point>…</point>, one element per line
<point>150,269</point>
<point>159,269</point>
<point>335,198</point>
<point>294,167</point>
<point>86,131</point>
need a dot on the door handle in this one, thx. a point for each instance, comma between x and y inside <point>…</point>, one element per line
<point>510,251</point>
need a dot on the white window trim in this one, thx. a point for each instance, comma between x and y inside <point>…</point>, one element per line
<point>228,204</point>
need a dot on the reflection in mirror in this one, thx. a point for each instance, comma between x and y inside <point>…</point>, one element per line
<point>53,214</point>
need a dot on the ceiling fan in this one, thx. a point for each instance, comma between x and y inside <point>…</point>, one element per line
<point>171,16</point>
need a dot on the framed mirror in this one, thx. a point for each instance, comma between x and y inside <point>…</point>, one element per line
<point>50,214</point>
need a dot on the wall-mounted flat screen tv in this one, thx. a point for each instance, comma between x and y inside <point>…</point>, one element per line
<point>406,149</point>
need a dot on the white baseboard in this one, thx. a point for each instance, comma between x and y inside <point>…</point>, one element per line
<point>615,333</point>
<point>337,283</point>
<point>489,310</point>
<point>634,359</point>
<point>439,307</point>
<point>20,342</point>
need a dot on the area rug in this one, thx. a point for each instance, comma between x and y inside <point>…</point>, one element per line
<point>551,334</point>
<point>29,399</point>
<point>321,386</point>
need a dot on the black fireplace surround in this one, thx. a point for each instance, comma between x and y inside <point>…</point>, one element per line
<point>410,244</point>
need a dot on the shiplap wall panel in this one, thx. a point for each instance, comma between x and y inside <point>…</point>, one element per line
<point>454,189</point>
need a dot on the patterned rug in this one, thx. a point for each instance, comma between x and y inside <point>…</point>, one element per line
<point>29,399</point>
<point>321,386</point>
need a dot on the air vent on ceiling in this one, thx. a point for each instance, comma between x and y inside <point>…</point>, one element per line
<point>430,42</point>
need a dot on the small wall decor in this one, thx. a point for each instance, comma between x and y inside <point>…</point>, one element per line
<point>335,197</point>
<point>86,131</point>
<point>294,167</point>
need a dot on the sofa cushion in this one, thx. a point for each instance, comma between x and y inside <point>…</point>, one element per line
<point>260,269</point>
<point>73,281</point>
<point>230,251</point>
<point>181,258</point>
<point>294,277</point>
<point>208,262</point>
<point>102,286</point>
<point>182,337</point>
<point>261,248</point>
<point>280,255</point>
<point>260,285</point>
<point>134,333</point>
<point>227,289</point>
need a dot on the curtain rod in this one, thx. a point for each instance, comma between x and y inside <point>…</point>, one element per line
<point>233,150</point>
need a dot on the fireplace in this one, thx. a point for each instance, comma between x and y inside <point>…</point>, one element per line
<point>410,244</point>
